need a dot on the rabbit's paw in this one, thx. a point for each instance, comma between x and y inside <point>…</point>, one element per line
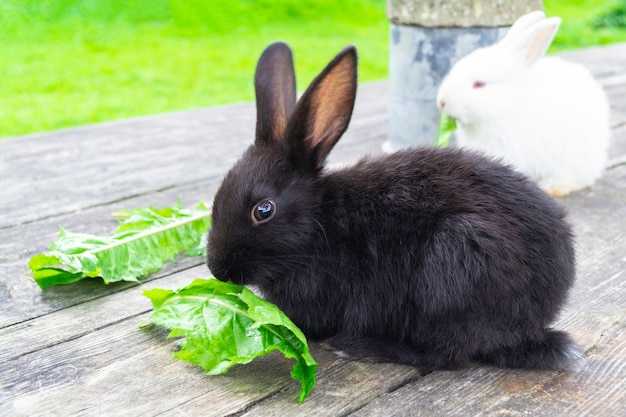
<point>557,191</point>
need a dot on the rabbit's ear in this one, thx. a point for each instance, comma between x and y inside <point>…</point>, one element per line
<point>520,25</point>
<point>275,85</point>
<point>323,112</point>
<point>533,43</point>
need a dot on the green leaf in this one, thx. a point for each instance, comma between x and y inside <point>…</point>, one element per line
<point>145,239</point>
<point>447,126</point>
<point>224,324</point>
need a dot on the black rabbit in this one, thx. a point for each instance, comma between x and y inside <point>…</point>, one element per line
<point>429,257</point>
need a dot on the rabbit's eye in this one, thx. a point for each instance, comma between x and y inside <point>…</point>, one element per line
<point>479,84</point>
<point>263,211</point>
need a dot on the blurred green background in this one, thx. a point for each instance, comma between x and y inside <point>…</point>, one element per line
<point>70,62</point>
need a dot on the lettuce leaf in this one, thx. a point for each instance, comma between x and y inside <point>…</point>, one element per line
<point>447,126</point>
<point>221,324</point>
<point>224,324</point>
<point>145,239</point>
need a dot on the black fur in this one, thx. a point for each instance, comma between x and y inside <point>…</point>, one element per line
<point>429,257</point>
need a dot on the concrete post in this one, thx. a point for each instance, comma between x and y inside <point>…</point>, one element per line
<point>426,39</point>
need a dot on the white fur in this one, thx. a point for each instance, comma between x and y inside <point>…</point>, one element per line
<point>546,116</point>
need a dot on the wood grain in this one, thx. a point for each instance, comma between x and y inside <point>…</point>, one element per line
<point>77,349</point>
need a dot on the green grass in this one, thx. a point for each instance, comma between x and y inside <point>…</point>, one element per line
<point>65,63</point>
<point>69,62</point>
<point>577,29</point>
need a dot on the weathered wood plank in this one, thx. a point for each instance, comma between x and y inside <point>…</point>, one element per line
<point>15,251</point>
<point>121,370</point>
<point>602,61</point>
<point>360,385</point>
<point>598,389</point>
<point>69,359</point>
<point>72,322</point>
<point>608,65</point>
<point>66,360</point>
<point>56,174</point>
<point>173,141</point>
<point>340,391</point>
<point>617,151</point>
<point>77,349</point>
<point>133,370</point>
<point>24,299</point>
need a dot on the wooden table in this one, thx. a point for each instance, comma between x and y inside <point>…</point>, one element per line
<point>77,349</point>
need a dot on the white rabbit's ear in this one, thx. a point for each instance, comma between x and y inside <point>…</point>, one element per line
<point>520,25</point>
<point>533,42</point>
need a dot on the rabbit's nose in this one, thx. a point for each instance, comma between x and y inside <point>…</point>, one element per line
<point>442,103</point>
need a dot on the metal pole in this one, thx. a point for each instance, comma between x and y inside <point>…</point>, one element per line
<point>426,39</point>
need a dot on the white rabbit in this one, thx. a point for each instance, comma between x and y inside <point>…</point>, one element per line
<point>546,116</point>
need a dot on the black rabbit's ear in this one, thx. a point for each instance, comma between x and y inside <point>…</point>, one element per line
<point>323,112</point>
<point>275,85</point>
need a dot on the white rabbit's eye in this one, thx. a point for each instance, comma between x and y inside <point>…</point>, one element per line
<point>479,84</point>
<point>263,211</point>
